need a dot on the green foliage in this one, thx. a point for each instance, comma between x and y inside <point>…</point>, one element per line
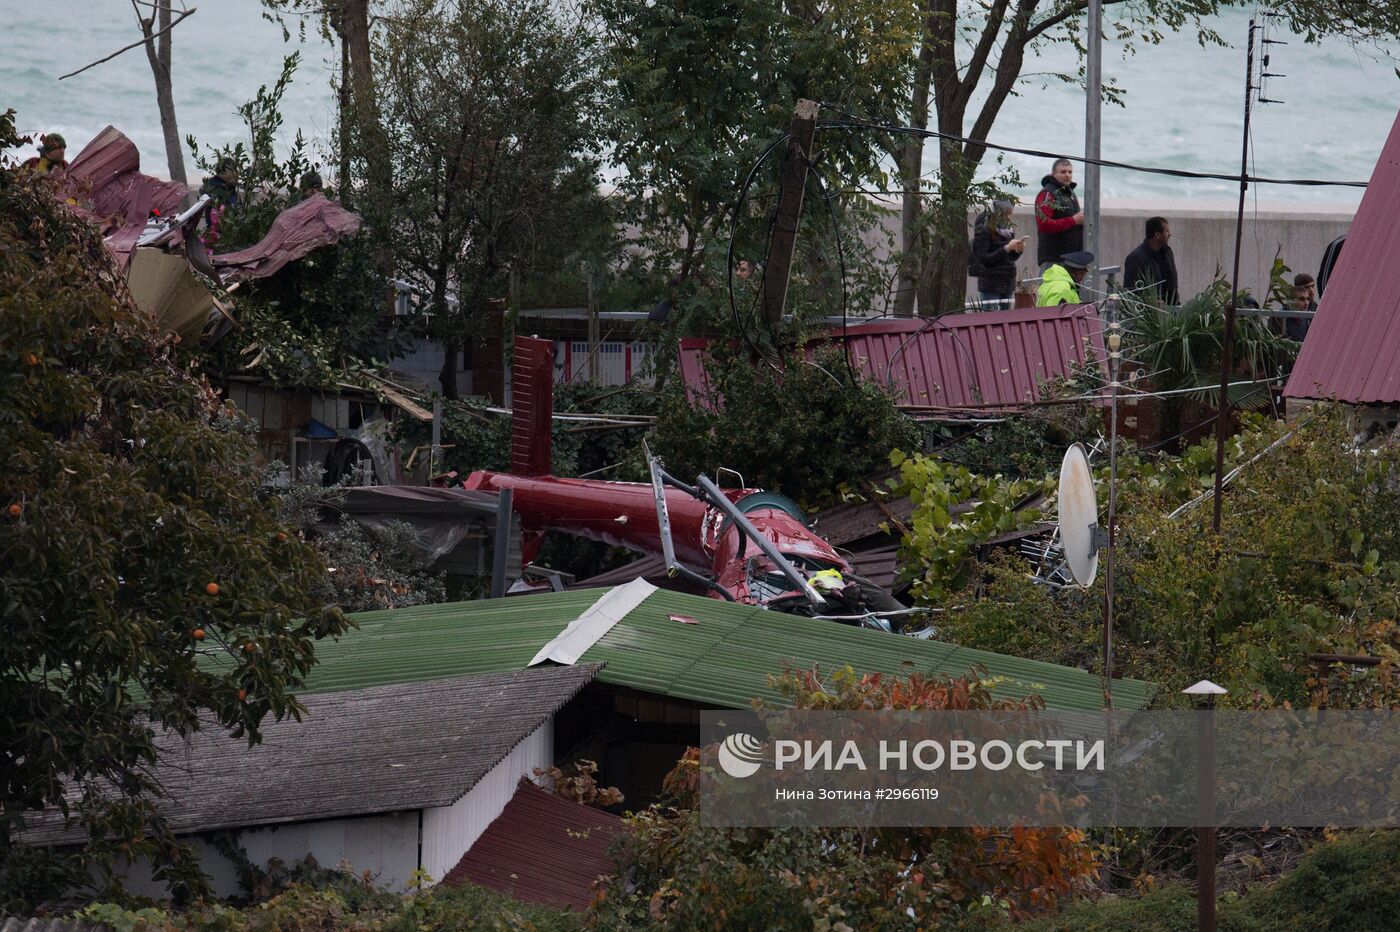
<point>487,107</point>
<point>680,874</point>
<point>343,903</point>
<point>265,184</point>
<point>1306,564</point>
<point>802,431</point>
<point>139,560</point>
<point>697,89</point>
<point>367,569</point>
<point>1181,347</point>
<point>955,510</point>
<point>317,317</point>
<point>1341,885</point>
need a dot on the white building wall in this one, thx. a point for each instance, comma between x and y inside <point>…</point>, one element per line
<point>449,831</point>
<point>386,846</point>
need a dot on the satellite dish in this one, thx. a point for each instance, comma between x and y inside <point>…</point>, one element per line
<point>1079,516</point>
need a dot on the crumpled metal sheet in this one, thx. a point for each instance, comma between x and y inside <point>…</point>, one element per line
<point>297,231</point>
<point>106,183</point>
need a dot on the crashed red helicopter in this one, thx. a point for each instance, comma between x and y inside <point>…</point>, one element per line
<point>744,545</point>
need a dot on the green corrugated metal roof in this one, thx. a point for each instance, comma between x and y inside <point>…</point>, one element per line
<point>723,661</point>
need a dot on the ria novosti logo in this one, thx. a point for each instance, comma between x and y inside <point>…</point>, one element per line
<point>740,755</point>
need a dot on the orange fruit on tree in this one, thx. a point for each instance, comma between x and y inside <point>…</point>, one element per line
<point>249,647</point>
<point>212,588</point>
<point>281,537</point>
<point>242,694</point>
<point>197,634</point>
<point>16,510</point>
<point>30,359</point>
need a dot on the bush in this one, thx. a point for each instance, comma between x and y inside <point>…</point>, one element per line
<point>803,431</point>
<point>680,874</point>
<point>146,584</point>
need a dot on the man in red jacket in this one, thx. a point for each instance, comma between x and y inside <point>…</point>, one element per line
<point>1059,221</point>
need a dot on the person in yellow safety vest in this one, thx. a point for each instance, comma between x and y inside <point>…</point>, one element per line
<point>1060,283</point>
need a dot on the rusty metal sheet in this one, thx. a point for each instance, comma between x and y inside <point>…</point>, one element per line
<point>542,849</point>
<point>1352,350</point>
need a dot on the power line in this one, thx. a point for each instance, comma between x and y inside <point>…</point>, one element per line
<point>858,123</point>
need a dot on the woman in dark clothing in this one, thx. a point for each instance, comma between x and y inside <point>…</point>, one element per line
<point>995,251</point>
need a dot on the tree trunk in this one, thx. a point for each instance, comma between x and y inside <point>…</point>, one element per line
<point>943,277</point>
<point>354,24</point>
<point>912,246</point>
<point>158,54</point>
<point>342,181</point>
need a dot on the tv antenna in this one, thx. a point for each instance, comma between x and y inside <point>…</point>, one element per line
<point>1081,539</point>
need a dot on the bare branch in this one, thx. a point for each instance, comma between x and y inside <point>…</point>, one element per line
<point>141,41</point>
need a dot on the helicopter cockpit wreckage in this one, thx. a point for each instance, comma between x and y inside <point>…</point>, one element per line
<point>743,545</point>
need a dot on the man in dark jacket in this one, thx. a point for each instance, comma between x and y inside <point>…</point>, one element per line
<point>1059,222</point>
<point>995,251</point>
<point>1150,269</point>
<point>222,186</point>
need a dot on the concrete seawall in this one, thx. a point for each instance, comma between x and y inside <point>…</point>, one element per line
<point>1203,238</point>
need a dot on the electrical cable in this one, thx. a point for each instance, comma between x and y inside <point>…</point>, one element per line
<point>734,232</point>
<point>815,174</point>
<point>858,122</point>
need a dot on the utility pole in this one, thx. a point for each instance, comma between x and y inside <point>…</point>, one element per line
<point>778,267</point>
<point>1093,132</point>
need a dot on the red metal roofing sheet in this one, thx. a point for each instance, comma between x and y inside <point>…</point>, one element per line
<point>296,231</point>
<point>1352,351</point>
<point>106,181</point>
<point>542,849</point>
<point>972,361</point>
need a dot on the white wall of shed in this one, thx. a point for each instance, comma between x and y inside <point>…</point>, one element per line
<point>450,831</point>
<point>384,845</point>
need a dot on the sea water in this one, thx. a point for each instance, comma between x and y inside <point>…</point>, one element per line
<point>1183,102</point>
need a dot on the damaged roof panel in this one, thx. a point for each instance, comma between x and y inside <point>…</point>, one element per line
<point>992,359</point>
<point>297,231</point>
<point>542,849</point>
<point>724,661</point>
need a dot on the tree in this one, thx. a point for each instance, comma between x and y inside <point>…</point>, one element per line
<point>961,47</point>
<point>156,31</point>
<point>360,136</point>
<point>156,38</point>
<point>698,89</point>
<point>145,584</point>
<point>317,317</point>
<point>802,431</point>
<point>488,107</point>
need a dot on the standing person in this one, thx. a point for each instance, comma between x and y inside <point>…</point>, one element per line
<point>1059,221</point>
<point>995,251</point>
<point>52,149</point>
<point>1304,299</point>
<point>1308,284</point>
<point>1151,268</point>
<point>1060,283</point>
<point>222,186</point>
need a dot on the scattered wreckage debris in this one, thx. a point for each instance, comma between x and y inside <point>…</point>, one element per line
<point>742,545</point>
<point>169,268</point>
